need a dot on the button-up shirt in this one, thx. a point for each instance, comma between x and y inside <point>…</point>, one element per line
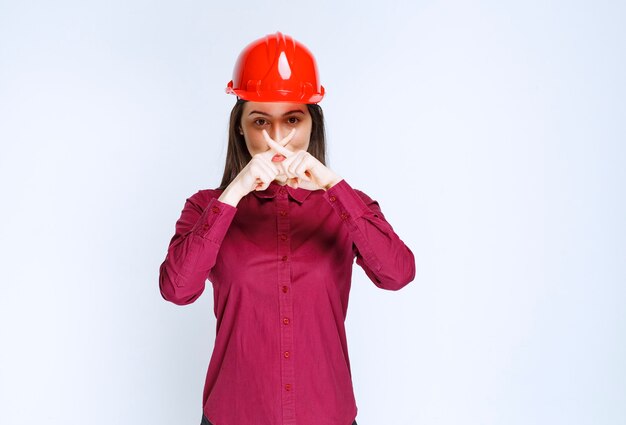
<point>280,263</point>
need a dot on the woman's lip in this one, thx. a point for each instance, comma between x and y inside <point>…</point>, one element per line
<point>277,158</point>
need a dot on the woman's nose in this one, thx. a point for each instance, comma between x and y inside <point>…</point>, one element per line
<point>277,133</point>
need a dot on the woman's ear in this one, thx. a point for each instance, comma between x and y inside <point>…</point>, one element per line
<point>240,131</point>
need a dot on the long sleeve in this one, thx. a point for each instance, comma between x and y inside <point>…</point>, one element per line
<point>384,257</point>
<point>193,249</point>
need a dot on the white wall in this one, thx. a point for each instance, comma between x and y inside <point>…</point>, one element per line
<point>491,133</point>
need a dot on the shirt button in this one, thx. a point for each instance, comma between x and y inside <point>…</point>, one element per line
<point>344,215</point>
<point>286,320</point>
<point>332,198</point>
<point>285,288</point>
<point>284,258</point>
<point>215,209</point>
<point>283,237</point>
<point>283,212</point>
<point>286,354</point>
<point>206,226</point>
<point>288,387</point>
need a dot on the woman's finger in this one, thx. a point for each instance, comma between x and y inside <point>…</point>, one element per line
<point>288,164</point>
<point>287,138</point>
<point>276,147</point>
<point>294,161</point>
<point>264,176</point>
<point>303,166</point>
<point>270,167</point>
<point>300,165</point>
<point>270,153</point>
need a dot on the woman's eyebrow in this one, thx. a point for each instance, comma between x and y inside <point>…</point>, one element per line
<point>286,113</point>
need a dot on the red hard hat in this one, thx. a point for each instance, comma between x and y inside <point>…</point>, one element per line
<point>276,68</point>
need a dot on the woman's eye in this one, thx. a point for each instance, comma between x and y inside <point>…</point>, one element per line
<point>293,120</point>
<point>260,121</point>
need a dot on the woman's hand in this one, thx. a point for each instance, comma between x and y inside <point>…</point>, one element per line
<point>300,167</point>
<point>258,173</point>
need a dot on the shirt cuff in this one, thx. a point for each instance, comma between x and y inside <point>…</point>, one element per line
<point>344,199</point>
<point>215,221</point>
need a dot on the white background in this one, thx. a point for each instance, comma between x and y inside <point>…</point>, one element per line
<point>490,132</point>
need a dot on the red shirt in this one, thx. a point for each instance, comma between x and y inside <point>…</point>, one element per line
<point>281,265</point>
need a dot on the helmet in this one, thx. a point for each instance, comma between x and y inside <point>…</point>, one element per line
<point>276,68</point>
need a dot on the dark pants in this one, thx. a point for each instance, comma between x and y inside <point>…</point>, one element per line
<point>205,421</point>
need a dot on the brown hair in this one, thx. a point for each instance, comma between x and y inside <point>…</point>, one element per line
<point>238,156</point>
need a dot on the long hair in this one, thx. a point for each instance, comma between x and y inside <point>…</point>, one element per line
<point>238,156</point>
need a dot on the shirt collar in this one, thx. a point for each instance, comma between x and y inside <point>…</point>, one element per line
<point>298,194</point>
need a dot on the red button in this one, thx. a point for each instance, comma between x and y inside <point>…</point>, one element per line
<point>288,387</point>
<point>332,198</point>
<point>344,215</point>
<point>215,209</point>
<point>285,288</point>
<point>283,237</point>
<point>286,354</point>
<point>283,212</point>
<point>206,226</point>
<point>284,258</point>
<point>286,320</point>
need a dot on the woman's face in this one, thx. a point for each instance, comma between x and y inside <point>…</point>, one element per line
<point>278,118</point>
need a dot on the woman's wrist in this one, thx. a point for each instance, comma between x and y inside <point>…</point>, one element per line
<point>332,182</point>
<point>230,196</point>
<point>328,186</point>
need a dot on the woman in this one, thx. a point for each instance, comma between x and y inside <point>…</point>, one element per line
<point>278,240</point>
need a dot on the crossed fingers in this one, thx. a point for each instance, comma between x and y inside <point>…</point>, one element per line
<point>280,147</point>
<point>290,156</point>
